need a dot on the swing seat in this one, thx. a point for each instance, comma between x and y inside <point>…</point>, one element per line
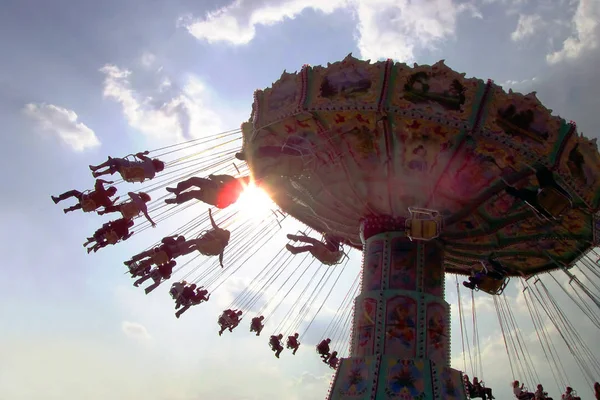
<point>493,286</point>
<point>133,174</point>
<point>134,268</point>
<point>488,268</point>
<point>210,247</point>
<point>111,237</point>
<point>129,210</point>
<point>423,224</point>
<point>160,258</point>
<point>225,321</point>
<point>553,202</point>
<point>328,257</point>
<point>202,300</point>
<point>175,294</point>
<point>88,205</point>
<point>211,243</point>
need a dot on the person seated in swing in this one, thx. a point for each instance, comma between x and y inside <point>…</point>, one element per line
<point>158,275</point>
<point>323,349</point>
<point>200,296</point>
<point>186,295</point>
<point>229,320</point>
<point>235,318</point>
<point>520,393</point>
<point>219,191</point>
<point>597,390</point>
<point>333,360</point>
<point>275,343</point>
<point>131,209</point>
<point>176,290</point>
<point>497,270</point>
<point>138,270</point>
<point>546,181</point>
<point>470,390</point>
<point>540,394</point>
<point>167,251</point>
<point>256,325</point>
<point>494,270</point>
<point>210,243</point>
<point>197,296</point>
<point>484,392</point>
<point>474,280</point>
<point>110,233</point>
<point>92,201</point>
<point>131,171</point>
<point>569,394</point>
<point>327,251</point>
<point>293,343</point>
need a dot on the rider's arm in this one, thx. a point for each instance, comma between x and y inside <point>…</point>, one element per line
<point>141,205</point>
<point>143,157</point>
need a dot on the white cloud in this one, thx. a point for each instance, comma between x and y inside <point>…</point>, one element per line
<point>63,123</point>
<point>527,26</point>
<point>512,84</point>
<point>386,28</point>
<point>135,331</point>
<point>72,368</point>
<point>165,84</point>
<point>182,114</point>
<point>585,32</point>
<point>148,59</point>
<point>236,23</point>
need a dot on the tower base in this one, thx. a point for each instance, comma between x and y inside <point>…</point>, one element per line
<point>386,377</point>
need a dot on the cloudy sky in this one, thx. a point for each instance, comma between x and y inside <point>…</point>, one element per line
<point>83,79</point>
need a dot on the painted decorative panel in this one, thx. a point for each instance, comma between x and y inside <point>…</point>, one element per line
<point>403,272</point>
<point>401,329</point>
<point>373,266</point>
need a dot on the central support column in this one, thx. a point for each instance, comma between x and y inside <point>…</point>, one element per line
<point>401,334</point>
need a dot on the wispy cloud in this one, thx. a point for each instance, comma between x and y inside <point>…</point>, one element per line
<point>586,30</point>
<point>148,59</point>
<point>236,23</point>
<point>386,28</point>
<point>62,123</point>
<point>527,26</point>
<point>511,84</point>
<point>135,331</point>
<point>172,114</point>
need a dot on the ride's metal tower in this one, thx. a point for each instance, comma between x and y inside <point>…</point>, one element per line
<point>400,344</point>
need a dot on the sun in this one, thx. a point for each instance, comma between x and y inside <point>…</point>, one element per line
<point>254,202</point>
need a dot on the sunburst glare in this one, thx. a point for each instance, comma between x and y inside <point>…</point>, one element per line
<point>254,202</point>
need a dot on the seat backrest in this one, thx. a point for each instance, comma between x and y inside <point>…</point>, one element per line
<point>87,204</point>
<point>111,237</point>
<point>133,174</point>
<point>492,286</point>
<point>160,258</point>
<point>129,210</point>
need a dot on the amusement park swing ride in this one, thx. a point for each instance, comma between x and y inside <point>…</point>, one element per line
<point>425,171</point>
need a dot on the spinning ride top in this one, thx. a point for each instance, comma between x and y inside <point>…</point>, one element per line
<point>427,172</point>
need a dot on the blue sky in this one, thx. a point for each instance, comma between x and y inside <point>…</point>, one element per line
<point>80,80</point>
